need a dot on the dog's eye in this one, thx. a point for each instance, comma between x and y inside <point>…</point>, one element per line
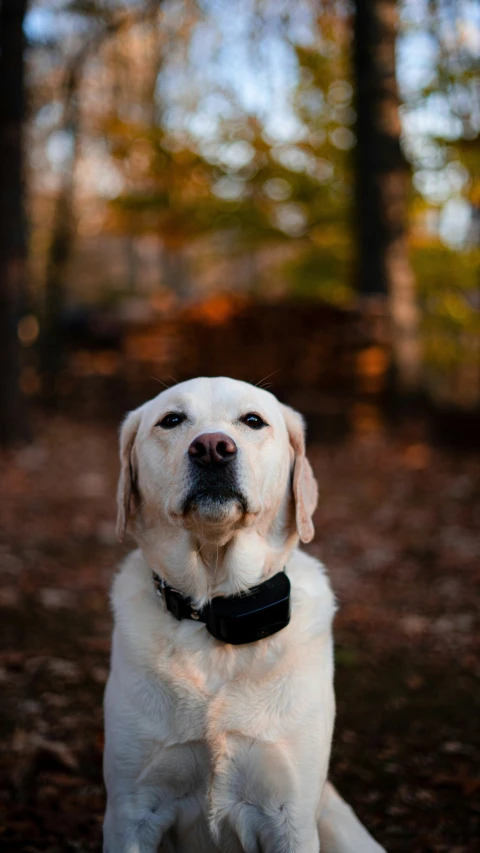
<point>253,421</point>
<point>172,420</point>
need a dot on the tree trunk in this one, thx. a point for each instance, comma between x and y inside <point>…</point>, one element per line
<point>13,251</point>
<point>52,344</point>
<point>381,186</point>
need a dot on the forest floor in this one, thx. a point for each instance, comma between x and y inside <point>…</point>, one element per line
<point>398,526</point>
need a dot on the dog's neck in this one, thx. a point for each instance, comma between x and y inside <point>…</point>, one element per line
<point>203,569</point>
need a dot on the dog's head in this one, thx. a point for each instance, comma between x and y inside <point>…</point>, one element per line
<point>214,456</point>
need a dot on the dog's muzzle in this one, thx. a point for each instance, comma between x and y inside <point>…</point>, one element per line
<point>213,474</point>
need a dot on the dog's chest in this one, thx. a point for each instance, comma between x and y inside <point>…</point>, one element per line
<point>199,696</point>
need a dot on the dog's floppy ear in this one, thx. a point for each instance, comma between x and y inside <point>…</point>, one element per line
<point>305,491</point>
<point>127,471</point>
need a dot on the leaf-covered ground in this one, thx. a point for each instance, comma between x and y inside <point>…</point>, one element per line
<point>399,528</point>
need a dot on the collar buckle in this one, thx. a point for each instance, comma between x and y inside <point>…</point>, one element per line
<point>177,604</point>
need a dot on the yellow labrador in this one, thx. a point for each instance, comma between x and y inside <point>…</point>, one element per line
<point>219,707</point>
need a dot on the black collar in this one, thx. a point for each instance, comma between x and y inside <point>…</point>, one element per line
<point>244,618</point>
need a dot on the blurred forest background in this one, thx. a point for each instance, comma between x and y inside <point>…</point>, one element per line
<point>244,187</point>
<point>288,192</point>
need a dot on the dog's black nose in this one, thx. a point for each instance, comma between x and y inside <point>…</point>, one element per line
<point>212,448</point>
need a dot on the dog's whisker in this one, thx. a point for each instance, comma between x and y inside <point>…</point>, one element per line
<point>216,569</point>
<point>200,537</point>
<point>259,384</point>
<point>156,379</point>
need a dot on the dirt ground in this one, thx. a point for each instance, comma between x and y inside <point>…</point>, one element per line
<point>399,528</point>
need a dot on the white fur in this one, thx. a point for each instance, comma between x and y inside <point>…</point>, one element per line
<point>212,747</point>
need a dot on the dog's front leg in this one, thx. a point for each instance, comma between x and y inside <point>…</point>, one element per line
<point>256,804</point>
<point>136,824</point>
<point>139,810</point>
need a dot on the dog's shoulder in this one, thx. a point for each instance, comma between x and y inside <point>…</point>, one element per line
<point>138,618</point>
<point>133,579</point>
<point>148,633</point>
<point>313,602</point>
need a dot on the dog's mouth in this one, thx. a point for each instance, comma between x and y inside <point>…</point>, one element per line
<point>214,500</point>
<point>214,495</point>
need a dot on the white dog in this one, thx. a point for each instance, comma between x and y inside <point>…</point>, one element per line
<point>219,707</point>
